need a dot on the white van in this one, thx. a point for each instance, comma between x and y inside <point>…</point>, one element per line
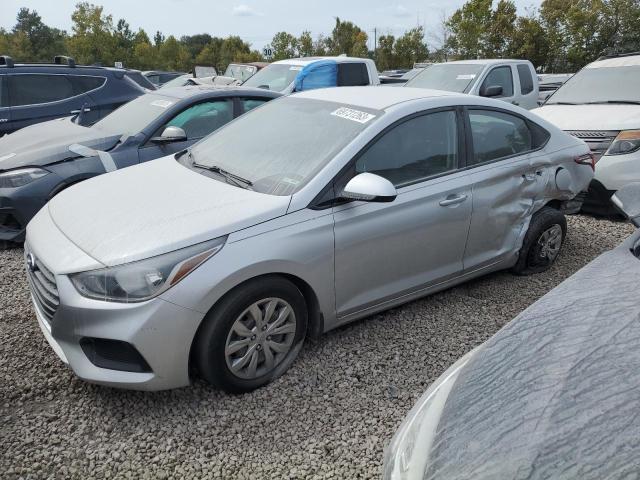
<point>601,105</point>
<point>514,81</point>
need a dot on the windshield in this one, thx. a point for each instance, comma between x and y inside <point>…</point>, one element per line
<point>132,117</point>
<point>280,146</point>
<point>180,81</point>
<point>240,72</point>
<point>276,77</point>
<point>452,77</point>
<point>595,85</point>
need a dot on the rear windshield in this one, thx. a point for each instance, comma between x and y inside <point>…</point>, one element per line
<point>452,77</point>
<point>134,116</point>
<point>280,146</point>
<point>276,77</point>
<point>600,85</point>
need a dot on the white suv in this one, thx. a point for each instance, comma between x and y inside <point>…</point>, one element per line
<point>601,105</point>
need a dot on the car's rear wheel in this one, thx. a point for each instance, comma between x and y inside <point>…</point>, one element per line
<point>542,242</point>
<point>252,336</point>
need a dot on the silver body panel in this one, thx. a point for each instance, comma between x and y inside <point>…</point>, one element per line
<point>356,258</point>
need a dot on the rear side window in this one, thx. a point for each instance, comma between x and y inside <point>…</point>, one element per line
<point>498,135</point>
<point>526,80</point>
<point>251,103</point>
<point>84,84</point>
<point>35,89</point>
<point>3,91</point>
<point>352,74</point>
<point>502,77</point>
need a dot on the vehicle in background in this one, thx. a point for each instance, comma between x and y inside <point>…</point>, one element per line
<point>222,258</point>
<point>34,93</point>
<point>159,78</point>
<point>38,162</point>
<point>299,74</point>
<point>513,81</point>
<point>554,394</point>
<point>549,83</point>
<point>398,81</point>
<point>601,105</point>
<point>238,73</point>
<point>394,73</point>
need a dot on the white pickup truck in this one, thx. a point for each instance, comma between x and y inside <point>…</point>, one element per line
<point>297,74</point>
<point>514,81</point>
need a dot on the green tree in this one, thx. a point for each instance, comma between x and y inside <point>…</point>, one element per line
<point>305,44</point>
<point>173,55</point>
<point>410,48</point>
<point>35,41</point>
<point>469,26</point>
<point>347,38</point>
<point>385,53</point>
<point>92,40</point>
<point>501,30</point>
<point>284,46</point>
<point>530,42</point>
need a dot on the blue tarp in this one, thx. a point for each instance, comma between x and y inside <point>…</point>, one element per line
<point>320,74</point>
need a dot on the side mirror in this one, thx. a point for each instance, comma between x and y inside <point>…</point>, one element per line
<point>170,134</point>
<point>369,187</point>
<point>627,199</point>
<point>491,91</point>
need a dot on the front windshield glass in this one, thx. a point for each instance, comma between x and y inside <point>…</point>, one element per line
<point>600,85</point>
<point>132,117</point>
<point>276,77</point>
<point>452,77</point>
<point>180,81</point>
<point>280,146</point>
<point>240,72</point>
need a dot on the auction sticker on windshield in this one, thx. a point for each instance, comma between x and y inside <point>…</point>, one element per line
<point>162,103</point>
<point>351,114</point>
<point>470,76</point>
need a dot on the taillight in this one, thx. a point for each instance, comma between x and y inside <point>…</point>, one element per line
<point>586,159</point>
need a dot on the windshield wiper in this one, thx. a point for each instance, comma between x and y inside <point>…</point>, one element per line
<point>623,102</point>
<point>237,179</point>
<point>563,103</point>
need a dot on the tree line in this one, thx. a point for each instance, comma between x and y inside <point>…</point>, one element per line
<point>559,36</point>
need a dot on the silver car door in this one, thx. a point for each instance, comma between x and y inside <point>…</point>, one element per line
<point>500,76</point>
<point>385,250</point>
<point>508,173</point>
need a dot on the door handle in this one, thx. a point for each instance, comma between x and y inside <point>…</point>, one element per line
<point>452,200</point>
<point>515,103</point>
<point>74,112</point>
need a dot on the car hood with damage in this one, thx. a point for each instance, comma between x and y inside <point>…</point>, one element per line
<point>46,143</point>
<point>154,208</point>
<point>555,393</point>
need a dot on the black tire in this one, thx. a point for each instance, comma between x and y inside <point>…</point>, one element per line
<point>211,341</point>
<point>532,258</point>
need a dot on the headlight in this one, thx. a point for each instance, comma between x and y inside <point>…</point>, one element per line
<point>407,455</point>
<point>627,141</point>
<point>145,279</point>
<point>20,177</point>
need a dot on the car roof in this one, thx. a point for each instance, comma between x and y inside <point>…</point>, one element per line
<point>307,60</point>
<point>622,61</point>
<point>56,66</point>
<point>488,61</point>
<point>208,91</point>
<point>377,98</point>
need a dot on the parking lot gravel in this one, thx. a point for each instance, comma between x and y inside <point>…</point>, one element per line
<point>330,416</point>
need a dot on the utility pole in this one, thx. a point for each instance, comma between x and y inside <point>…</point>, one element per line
<point>375,43</point>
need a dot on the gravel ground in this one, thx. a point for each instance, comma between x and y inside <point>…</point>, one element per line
<point>330,416</point>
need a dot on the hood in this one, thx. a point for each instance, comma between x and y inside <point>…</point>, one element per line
<point>591,117</point>
<point>48,142</point>
<point>154,208</point>
<point>554,394</point>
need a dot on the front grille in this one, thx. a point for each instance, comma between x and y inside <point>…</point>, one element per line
<point>598,140</point>
<point>42,283</point>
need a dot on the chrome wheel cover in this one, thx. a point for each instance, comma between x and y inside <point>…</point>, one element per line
<point>549,243</point>
<point>260,338</point>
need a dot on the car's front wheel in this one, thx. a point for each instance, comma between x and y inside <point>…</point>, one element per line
<point>252,336</point>
<point>542,242</point>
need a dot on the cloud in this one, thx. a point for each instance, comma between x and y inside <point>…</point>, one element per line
<point>245,11</point>
<point>399,11</point>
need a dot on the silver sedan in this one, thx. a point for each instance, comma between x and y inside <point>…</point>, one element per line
<point>310,212</point>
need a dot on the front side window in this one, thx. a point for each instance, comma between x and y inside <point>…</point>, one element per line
<point>414,150</point>
<point>526,80</point>
<point>352,74</point>
<point>275,77</point>
<point>498,135</point>
<point>280,147</point>
<point>36,89</point>
<point>200,120</point>
<point>500,77</point>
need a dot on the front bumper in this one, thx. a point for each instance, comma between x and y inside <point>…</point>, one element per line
<point>160,331</point>
<point>597,200</point>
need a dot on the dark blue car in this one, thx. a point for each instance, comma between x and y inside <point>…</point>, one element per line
<point>39,161</point>
<point>34,93</point>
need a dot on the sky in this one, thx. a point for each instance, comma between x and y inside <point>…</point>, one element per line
<point>256,21</point>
